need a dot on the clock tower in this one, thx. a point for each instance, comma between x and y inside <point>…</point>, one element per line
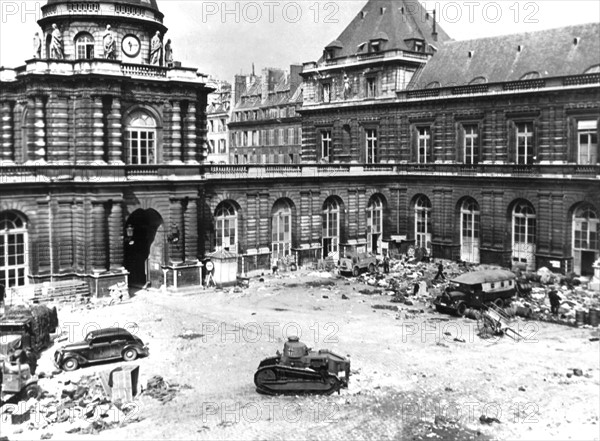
<point>111,29</point>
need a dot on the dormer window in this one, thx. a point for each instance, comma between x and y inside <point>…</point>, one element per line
<point>329,54</point>
<point>375,46</point>
<point>418,46</point>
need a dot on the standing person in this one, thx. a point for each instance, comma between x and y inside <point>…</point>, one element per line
<point>274,265</point>
<point>156,51</point>
<point>554,300</point>
<point>56,46</point>
<point>440,272</point>
<point>386,264</point>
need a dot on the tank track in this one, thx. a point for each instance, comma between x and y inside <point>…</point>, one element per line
<point>285,380</point>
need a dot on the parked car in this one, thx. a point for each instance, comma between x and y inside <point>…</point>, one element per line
<point>100,345</point>
<point>355,263</point>
<point>477,288</point>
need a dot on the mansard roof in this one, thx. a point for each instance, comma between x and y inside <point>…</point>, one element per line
<point>571,50</point>
<point>392,20</point>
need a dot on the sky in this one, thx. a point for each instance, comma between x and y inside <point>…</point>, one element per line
<point>224,38</point>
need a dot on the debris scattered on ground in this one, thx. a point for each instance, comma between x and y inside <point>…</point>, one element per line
<point>162,391</point>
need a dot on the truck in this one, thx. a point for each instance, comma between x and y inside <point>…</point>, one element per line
<point>355,263</point>
<point>27,328</point>
<point>477,289</point>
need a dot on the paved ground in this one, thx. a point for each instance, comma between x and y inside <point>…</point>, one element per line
<point>410,378</point>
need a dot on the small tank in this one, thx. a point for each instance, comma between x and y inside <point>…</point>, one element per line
<point>300,371</point>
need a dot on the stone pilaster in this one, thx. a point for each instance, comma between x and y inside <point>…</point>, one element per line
<point>58,129</point>
<point>97,131</point>
<point>7,146</point>
<point>39,154</point>
<point>176,249</point>
<point>190,230</point>
<point>83,131</point>
<point>115,233</point>
<point>98,248</point>
<point>115,143</point>
<point>190,136</point>
<point>176,134</point>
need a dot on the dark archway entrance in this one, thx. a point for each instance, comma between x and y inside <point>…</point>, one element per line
<point>144,248</point>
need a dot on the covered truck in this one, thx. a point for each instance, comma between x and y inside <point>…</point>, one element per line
<point>27,327</point>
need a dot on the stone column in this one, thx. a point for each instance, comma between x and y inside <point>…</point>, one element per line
<point>40,130</point>
<point>7,146</point>
<point>190,135</point>
<point>98,248</point>
<point>115,233</point>
<point>190,230</point>
<point>97,131</point>
<point>115,144</point>
<point>58,129</point>
<point>176,134</point>
<point>83,132</point>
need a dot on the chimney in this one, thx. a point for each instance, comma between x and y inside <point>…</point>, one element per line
<point>239,87</point>
<point>295,77</point>
<point>265,84</point>
<point>434,34</point>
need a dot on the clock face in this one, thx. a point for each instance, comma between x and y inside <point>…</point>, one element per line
<point>131,46</point>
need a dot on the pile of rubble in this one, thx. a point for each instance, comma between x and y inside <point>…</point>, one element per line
<point>162,391</point>
<point>81,406</point>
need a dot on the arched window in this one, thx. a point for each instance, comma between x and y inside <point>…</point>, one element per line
<point>524,234</point>
<point>586,246</point>
<point>375,224</point>
<point>141,138</point>
<point>331,229</point>
<point>13,250</point>
<point>281,230</point>
<point>84,46</point>
<point>469,227</point>
<point>423,228</point>
<point>226,219</point>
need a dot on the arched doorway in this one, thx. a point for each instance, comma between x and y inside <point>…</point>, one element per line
<point>375,224</point>
<point>586,229</point>
<point>145,248</point>
<point>469,231</point>
<point>423,227</point>
<point>281,229</point>
<point>524,234</point>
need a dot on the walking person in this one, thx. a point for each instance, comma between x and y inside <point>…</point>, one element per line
<point>386,264</point>
<point>440,272</point>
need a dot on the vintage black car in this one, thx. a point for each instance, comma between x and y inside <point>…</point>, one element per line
<point>476,289</point>
<point>100,345</point>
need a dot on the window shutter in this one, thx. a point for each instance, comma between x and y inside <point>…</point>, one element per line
<point>430,154</point>
<point>414,143</point>
<point>460,143</point>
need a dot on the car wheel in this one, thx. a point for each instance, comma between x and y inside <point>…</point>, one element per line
<point>70,364</point>
<point>371,268</point>
<point>499,303</point>
<point>355,271</point>
<point>461,308</point>
<point>32,391</point>
<point>130,354</point>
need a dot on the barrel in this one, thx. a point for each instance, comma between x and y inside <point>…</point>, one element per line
<point>580,317</point>
<point>594,317</point>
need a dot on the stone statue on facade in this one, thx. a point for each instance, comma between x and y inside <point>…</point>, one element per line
<point>56,45</point>
<point>347,87</point>
<point>37,46</point>
<point>156,50</point>
<point>168,54</point>
<point>110,44</point>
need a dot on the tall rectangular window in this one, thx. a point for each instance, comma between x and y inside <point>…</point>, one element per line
<point>587,142</point>
<point>371,87</point>
<point>423,144</point>
<point>325,144</point>
<point>524,143</point>
<point>371,141</point>
<point>471,144</point>
<point>327,92</point>
<point>142,147</point>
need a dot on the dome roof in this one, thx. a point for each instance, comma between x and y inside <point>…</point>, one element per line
<point>151,4</point>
